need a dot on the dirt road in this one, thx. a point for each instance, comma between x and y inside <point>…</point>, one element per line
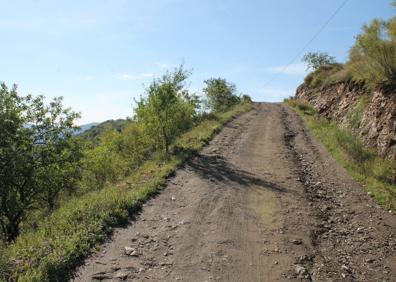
<point>262,202</point>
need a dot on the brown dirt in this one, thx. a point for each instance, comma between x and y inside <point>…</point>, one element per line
<point>262,202</point>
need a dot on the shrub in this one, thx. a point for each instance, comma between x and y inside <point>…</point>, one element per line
<point>373,57</point>
<point>321,76</point>
<point>221,94</point>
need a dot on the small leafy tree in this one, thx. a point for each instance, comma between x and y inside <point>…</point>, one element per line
<point>220,94</point>
<point>373,57</point>
<point>168,109</point>
<point>315,60</point>
<point>246,99</point>
<point>38,157</point>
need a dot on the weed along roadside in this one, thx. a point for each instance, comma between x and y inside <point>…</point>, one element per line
<point>364,165</point>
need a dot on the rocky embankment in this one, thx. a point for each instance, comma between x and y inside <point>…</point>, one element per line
<point>371,115</point>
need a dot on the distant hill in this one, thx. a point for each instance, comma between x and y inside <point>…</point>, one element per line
<point>86,127</point>
<point>95,130</point>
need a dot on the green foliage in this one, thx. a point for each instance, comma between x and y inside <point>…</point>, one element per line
<point>372,60</point>
<point>94,133</point>
<point>373,57</point>
<point>167,110</point>
<point>73,231</point>
<point>135,145</point>
<point>221,95</point>
<point>103,162</point>
<point>375,173</point>
<point>316,60</point>
<point>323,76</point>
<point>38,158</point>
<point>246,99</point>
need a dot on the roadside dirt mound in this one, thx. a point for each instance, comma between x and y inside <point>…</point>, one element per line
<point>371,115</point>
<point>262,202</point>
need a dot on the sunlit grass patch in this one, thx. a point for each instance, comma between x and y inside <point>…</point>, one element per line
<point>375,173</point>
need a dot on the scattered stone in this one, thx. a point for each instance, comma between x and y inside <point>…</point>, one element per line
<point>122,275</point>
<point>297,241</point>
<point>300,270</point>
<point>129,251</point>
<point>115,268</point>
<point>101,276</point>
<point>173,198</point>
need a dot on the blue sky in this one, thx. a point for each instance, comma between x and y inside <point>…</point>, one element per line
<point>99,54</point>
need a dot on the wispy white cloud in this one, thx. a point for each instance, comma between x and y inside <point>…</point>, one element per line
<point>138,76</point>
<point>293,69</point>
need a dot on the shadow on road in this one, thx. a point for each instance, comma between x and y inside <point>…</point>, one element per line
<point>217,168</point>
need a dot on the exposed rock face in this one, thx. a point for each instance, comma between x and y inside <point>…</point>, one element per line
<point>371,115</point>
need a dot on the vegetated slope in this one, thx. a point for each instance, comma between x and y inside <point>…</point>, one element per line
<point>370,114</point>
<point>85,127</point>
<point>100,128</point>
<point>262,202</point>
<point>51,252</point>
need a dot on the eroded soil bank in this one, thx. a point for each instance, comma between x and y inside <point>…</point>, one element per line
<point>262,202</point>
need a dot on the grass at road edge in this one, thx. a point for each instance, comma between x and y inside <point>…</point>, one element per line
<point>79,227</point>
<point>376,174</point>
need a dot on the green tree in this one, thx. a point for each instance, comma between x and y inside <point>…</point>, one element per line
<point>167,109</point>
<point>373,57</point>
<point>38,157</point>
<point>316,60</point>
<point>220,94</point>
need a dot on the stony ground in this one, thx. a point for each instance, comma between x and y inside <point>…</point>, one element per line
<point>262,202</point>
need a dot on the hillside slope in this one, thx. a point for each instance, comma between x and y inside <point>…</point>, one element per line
<point>370,114</point>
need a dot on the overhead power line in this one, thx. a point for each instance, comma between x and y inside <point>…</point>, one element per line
<point>309,41</point>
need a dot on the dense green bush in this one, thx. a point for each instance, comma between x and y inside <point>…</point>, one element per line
<point>372,59</point>
<point>323,76</point>
<point>104,163</point>
<point>221,94</point>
